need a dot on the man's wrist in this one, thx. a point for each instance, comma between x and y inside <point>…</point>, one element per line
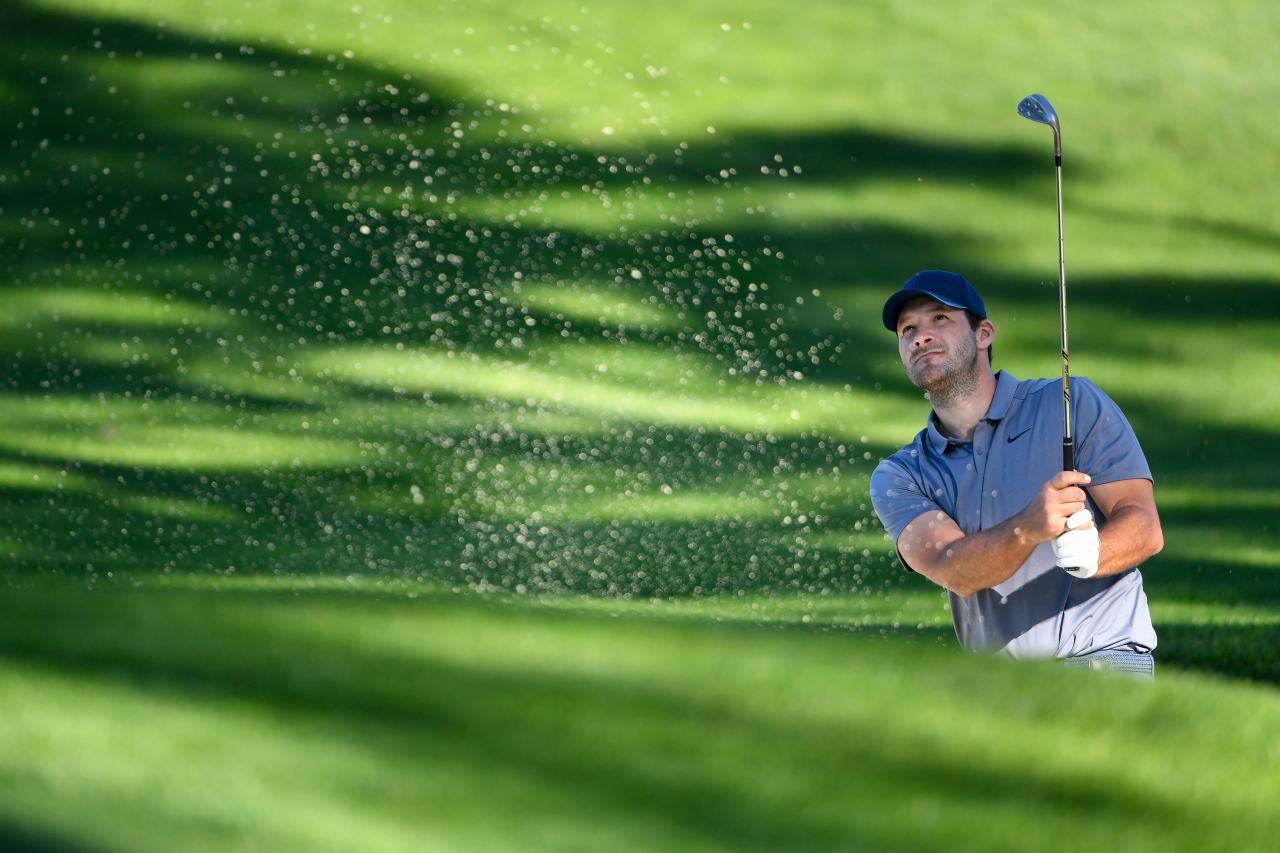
<point>1023,529</point>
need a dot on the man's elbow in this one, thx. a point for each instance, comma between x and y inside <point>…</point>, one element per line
<point>952,576</point>
<point>941,563</point>
<point>1155,534</point>
<point>1155,540</point>
<point>942,575</point>
<point>960,585</point>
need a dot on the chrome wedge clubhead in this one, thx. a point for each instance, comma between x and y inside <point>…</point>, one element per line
<point>1038,109</point>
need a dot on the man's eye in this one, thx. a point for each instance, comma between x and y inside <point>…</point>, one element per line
<point>905,330</point>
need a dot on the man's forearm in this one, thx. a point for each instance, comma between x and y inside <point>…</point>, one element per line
<point>977,561</point>
<point>934,545</point>
<point>1132,534</point>
<point>981,560</point>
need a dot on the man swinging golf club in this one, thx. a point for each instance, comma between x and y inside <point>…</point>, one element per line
<point>1039,558</point>
<point>1038,561</point>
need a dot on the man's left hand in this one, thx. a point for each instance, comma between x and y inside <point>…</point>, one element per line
<point>1077,550</point>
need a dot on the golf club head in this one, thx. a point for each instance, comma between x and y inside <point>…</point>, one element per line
<point>1038,109</point>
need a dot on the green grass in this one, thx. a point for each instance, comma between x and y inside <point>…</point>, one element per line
<point>448,425</point>
<point>355,715</point>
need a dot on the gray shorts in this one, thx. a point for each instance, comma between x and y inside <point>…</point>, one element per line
<point>1136,664</point>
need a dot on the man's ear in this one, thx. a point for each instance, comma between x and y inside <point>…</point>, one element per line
<point>986,334</point>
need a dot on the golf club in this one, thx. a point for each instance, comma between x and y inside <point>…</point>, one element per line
<point>1038,109</point>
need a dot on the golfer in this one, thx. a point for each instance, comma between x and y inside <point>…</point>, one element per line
<point>978,502</point>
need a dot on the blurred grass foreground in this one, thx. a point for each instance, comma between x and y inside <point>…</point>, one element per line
<point>447,426</point>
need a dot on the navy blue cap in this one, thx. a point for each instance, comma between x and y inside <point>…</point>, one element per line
<point>946,287</point>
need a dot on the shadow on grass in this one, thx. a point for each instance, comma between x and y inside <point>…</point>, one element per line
<point>1213,580</point>
<point>613,741</point>
<point>1237,651</point>
<point>17,837</point>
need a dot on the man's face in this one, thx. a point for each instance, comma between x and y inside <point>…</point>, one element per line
<point>936,344</point>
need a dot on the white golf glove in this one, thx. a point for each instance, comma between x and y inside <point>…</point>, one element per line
<point>1077,550</point>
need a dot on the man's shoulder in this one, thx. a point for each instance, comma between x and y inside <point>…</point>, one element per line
<point>906,457</point>
<point>1051,389</point>
<point>1034,388</point>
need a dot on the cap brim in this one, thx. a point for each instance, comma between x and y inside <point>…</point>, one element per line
<point>893,306</point>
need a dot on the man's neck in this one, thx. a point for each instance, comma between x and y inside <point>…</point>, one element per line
<point>958,418</point>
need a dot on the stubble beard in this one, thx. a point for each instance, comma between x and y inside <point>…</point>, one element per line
<point>955,378</point>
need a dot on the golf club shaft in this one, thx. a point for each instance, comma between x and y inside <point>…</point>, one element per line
<point>1068,449</point>
<point>1038,109</point>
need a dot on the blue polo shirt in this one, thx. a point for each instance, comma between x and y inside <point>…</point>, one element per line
<point>1040,611</point>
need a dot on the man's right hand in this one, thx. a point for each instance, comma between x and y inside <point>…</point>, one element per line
<point>1046,516</point>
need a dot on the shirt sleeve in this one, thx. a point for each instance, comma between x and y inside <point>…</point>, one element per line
<point>1106,447</point>
<point>898,500</point>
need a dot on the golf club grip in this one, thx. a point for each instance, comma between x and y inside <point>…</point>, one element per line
<point>1068,465</point>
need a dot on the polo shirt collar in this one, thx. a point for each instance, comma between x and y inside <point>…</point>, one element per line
<point>1006,385</point>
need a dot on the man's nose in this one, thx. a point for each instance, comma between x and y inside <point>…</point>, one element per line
<point>922,337</point>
